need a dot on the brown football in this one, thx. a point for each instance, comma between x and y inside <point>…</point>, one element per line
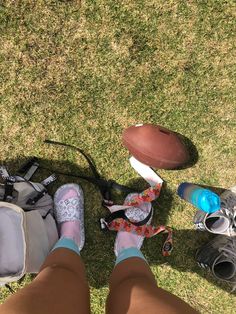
<point>155,146</point>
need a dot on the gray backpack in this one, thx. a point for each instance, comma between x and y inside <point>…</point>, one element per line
<point>27,228</point>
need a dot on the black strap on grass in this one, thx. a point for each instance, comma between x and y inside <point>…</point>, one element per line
<point>88,158</point>
<point>105,186</point>
<point>9,288</point>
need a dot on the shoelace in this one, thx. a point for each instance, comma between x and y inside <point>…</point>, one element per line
<point>231,215</point>
<point>229,204</point>
<point>229,250</point>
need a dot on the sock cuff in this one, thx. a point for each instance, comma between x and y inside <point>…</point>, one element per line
<point>67,243</point>
<point>128,253</point>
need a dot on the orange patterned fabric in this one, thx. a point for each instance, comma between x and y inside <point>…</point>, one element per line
<point>148,231</point>
<point>148,195</point>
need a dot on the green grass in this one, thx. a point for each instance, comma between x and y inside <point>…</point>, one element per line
<point>82,71</point>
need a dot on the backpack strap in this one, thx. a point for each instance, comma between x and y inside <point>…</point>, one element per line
<point>34,200</point>
<point>25,167</point>
<point>9,187</point>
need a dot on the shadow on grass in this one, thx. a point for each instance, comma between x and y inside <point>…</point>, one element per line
<point>192,150</point>
<point>186,243</point>
<point>98,251</point>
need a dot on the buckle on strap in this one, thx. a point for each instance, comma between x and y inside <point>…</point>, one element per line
<point>167,248</point>
<point>33,201</point>
<point>103,224</point>
<point>9,186</point>
<point>168,244</point>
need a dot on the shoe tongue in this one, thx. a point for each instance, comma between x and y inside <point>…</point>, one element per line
<point>224,268</point>
<point>217,222</point>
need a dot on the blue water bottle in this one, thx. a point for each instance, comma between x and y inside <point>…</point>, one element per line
<point>201,198</point>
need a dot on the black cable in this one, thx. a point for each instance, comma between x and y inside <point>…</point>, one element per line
<point>105,186</point>
<point>89,159</point>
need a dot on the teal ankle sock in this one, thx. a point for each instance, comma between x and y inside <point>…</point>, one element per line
<point>67,243</point>
<point>128,253</point>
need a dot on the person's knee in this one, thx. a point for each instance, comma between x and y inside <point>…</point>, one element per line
<point>133,279</point>
<point>135,286</point>
<point>62,273</point>
<point>132,293</point>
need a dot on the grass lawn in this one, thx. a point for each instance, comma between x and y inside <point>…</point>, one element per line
<point>82,71</point>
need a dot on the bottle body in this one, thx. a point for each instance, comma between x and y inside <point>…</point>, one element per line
<point>201,198</point>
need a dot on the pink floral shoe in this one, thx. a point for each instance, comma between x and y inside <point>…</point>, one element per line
<point>69,206</point>
<point>134,214</point>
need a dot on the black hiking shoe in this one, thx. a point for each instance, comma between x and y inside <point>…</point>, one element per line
<point>219,255</point>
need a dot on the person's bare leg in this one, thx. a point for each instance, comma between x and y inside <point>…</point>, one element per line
<point>133,289</point>
<point>60,287</point>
